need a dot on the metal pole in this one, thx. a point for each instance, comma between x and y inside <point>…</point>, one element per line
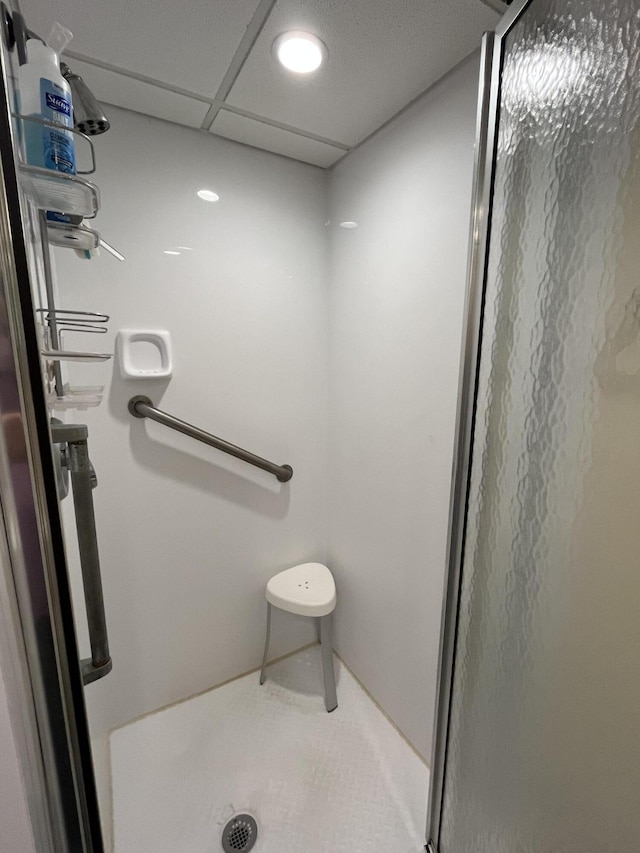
<point>483,171</point>
<point>142,407</point>
<point>73,437</point>
<point>51,304</point>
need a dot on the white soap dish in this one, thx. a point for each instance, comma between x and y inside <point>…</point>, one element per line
<point>144,354</point>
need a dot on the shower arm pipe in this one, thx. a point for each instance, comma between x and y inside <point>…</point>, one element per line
<point>142,407</point>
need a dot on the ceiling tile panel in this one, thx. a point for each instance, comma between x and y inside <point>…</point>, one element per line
<point>270,138</point>
<point>110,88</point>
<point>186,44</point>
<point>382,54</point>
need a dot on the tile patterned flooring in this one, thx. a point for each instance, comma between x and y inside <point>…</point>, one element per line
<point>344,782</point>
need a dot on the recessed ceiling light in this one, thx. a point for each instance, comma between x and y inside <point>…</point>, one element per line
<point>208,195</point>
<point>300,52</point>
<point>170,252</point>
<point>348,224</point>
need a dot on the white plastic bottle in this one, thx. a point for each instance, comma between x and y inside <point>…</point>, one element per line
<point>44,93</point>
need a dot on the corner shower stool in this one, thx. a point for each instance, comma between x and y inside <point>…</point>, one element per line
<point>306,590</point>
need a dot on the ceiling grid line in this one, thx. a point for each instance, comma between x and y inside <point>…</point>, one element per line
<point>211,66</point>
<point>210,115</point>
<point>230,108</point>
<point>215,104</point>
<point>256,25</point>
<point>134,75</point>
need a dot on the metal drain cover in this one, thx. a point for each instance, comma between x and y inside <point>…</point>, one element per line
<point>240,834</point>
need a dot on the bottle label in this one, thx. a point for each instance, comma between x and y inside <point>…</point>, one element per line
<point>56,102</point>
<point>50,147</point>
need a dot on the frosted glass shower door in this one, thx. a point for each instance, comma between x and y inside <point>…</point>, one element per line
<point>543,744</point>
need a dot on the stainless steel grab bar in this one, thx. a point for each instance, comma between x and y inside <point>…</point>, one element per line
<point>72,439</point>
<point>142,407</point>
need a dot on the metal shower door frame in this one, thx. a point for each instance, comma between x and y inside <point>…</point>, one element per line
<point>38,642</point>
<point>488,117</point>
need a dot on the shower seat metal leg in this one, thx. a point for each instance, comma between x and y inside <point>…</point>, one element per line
<point>263,674</point>
<point>328,671</point>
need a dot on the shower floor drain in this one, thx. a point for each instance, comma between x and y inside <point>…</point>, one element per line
<point>240,834</point>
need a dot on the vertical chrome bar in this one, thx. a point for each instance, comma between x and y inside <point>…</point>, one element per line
<point>482,178</point>
<point>51,302</point>
<point>484,167</point>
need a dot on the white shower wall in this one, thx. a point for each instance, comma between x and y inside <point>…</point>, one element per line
<point>397,298</point>
<point>269,309</point>
<point>189,536</point>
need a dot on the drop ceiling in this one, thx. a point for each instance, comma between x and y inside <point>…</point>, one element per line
<point>208,64</point>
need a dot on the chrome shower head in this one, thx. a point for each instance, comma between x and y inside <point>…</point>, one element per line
<point>88,115</point>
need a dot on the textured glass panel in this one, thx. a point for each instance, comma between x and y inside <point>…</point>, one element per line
<point>544,744</point>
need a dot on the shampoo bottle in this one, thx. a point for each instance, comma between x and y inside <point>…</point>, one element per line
<point>45,94</point>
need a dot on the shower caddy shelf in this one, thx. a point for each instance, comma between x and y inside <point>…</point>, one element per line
<point>59,320</point>
<point>75,355</point>
<point>82,397</point>
<point>60,191</point>
<point>72,236</point>
<point>73,195</point>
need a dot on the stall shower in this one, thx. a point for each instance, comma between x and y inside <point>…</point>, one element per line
<point>305,305</point>
<point>289,333</point>
<point>278,343</point>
